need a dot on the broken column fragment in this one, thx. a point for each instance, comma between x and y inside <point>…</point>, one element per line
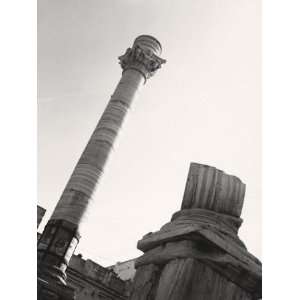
<point>198,255</point>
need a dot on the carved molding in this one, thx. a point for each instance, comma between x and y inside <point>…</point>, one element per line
<point>140,59</point>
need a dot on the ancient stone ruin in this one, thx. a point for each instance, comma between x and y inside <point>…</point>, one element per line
<point>198,254</point>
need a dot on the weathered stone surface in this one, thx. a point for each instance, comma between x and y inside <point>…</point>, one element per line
<point>190,279</point>
<point>212,189</point>
<point>199,251</point>
<point>245,275</point>
<point>146,282</point>
<point>94,282</point>
<point>53,291</point>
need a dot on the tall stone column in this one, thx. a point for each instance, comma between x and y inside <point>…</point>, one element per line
<point>61,234</point>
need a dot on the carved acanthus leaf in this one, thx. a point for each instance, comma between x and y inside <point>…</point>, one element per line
<point>142,59</point>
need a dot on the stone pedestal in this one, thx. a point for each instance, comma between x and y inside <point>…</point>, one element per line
<point>53,291</point>
<point>198,255</point>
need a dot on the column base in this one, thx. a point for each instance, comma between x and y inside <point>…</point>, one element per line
<point>48,290</point>
<point>55,248</point>
<point>51,273</point>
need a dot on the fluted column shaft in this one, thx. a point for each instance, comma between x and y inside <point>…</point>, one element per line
<point>87,173</point>
<point>61,234</point>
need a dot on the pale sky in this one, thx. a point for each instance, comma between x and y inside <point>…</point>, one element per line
<point>203,105</point>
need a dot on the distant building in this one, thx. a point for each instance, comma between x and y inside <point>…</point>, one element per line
<point>91,281</point>
<point>125,270</point>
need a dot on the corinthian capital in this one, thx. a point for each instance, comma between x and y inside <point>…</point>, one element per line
<point>143,56</point>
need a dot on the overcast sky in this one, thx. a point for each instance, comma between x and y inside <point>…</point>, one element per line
<point>203,105</point>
